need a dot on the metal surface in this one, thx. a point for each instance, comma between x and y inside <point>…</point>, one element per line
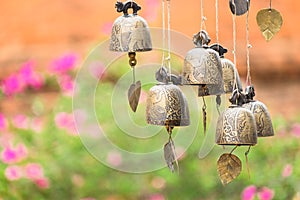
<point>229,72</point>
<point>269,22</point>
<point>262,118</point>
<point>236,126</point>
<point>130,32</point>
<point>239,7</point>
<point>167,106</point>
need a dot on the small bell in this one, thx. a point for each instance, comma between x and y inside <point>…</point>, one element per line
<point>130,32</point>
<point>236,125</point>
<point>167,106</point>
<point>261,114</point>
<point>229,70</point>
<point>202,67</point>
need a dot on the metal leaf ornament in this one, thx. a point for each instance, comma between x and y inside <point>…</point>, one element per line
<point>269,21</point>
<point>229,167</point>
<point>134,93</point>
<point>170,155</point>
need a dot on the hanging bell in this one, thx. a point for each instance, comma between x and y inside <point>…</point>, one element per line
<point>202,67</point>
<point>229,70</point>
<point>130,32</point>
<point>261,114</point>
<point>167,106</point>
<point>236,125</point>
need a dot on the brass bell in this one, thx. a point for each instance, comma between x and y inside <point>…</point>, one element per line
<point>261,114</point>
<point>236,125</point>
<point>202,67</point>
<point>229,70</point>
<point>130,32</point>
<point>167,106</point>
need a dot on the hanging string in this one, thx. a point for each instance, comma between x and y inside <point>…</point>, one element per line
<point>203,18</point>
<point>204,115</point>
<point>169,40</point>
<point>234,43</point>
<point>248,80</point>
<point>270,4</point>
<point>217,22</point>
<point>164,34</point>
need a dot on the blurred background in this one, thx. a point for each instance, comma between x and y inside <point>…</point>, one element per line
<point>43,44</point>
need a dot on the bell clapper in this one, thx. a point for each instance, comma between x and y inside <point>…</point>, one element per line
<point>204,115</point>
<point>247,163</point>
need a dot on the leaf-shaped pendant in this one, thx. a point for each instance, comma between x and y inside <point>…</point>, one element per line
<point>170,155</point>
<point>269,22</point>
<point>239,7</point>
<point>229,167</point>
<point>134,93</point>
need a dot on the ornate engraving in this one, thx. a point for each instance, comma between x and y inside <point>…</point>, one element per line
<point>262,118</point>
<point>130,34</point>
<point>167,105</point>
<point>228,76</point>
<point>236,126</point>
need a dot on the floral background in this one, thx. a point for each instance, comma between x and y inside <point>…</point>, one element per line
<point>43,45</point>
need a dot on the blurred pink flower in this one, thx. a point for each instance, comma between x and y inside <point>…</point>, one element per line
<point>20,121</point>
<point>64,63</point>
<point>287,170</point>
<point>66,84</point>
<point>42,183</point>
<point>66,121</point>
<point>37,124</point>
<point>13,172</point>
<point>295,131</point>
<point>34,171</point>
<point>97,70</point>
<point>114,158</point>
<point>12,85</point>
<point>106,28</point>
<point>12,155</point>
<point>29,77</point>
<point>249,193</point>
<point>157,197</point>
<point>265,194</point>
<point>3,122</point>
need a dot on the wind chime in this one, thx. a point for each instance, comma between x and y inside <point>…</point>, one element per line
<point>166,104</point>
<point>204,66</point>
<point>130,33</point>
<point>245,119</point>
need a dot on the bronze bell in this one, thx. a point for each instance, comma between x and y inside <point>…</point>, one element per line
<point>130,32</point>
<point>229,70</point>
<point>167,106</point>
<point>202,67</point>
<point>236,125</point>
<point>261,114</point>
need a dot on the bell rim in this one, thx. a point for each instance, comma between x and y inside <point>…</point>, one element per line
<point>175,123</point>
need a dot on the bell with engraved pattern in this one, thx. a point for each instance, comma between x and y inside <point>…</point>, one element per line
<point>261,114</point>
<point>229,70</point>
<point>130,32</point>
<point>202,67</point>
<point>236,125</point>
<point>167,106</point>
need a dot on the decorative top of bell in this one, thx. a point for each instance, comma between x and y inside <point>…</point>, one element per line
<point>202,66</point>
<point>261,114</point>
<point>236,125</point>
<point>229,70</point>
<point>167,106</point>
<point>130,32</point>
